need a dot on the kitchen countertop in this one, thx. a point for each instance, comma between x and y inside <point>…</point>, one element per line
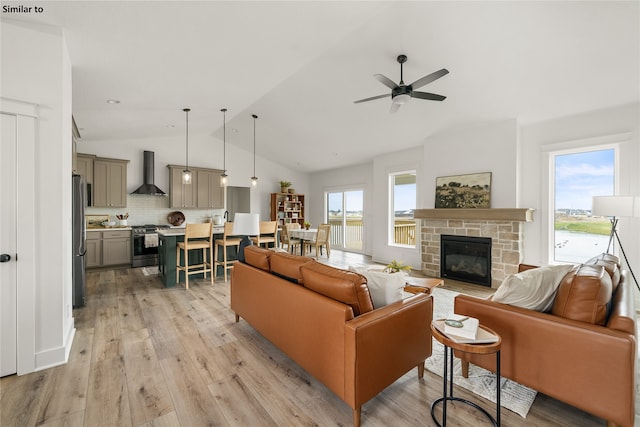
<point>115,228</point>
<point>179,231</point>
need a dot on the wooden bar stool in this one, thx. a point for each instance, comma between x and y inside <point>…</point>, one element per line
<point>225,242</point>
<point>196,236</point>
<point>268,233</point>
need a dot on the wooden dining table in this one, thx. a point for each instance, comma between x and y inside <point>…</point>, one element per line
<point>305,235</point>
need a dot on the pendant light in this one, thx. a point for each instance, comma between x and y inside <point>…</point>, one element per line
<point>223,176</point>
<point>186,173</point>
<point>254,178</point>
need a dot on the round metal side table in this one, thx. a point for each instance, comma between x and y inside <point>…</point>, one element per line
<point>447,392</point>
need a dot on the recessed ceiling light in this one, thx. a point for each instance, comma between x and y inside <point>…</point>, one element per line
<point>113,101</point>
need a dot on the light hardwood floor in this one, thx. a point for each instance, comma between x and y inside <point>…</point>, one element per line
<point>144,355</point>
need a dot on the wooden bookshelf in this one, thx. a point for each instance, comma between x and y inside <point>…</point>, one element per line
<point>287,207</point>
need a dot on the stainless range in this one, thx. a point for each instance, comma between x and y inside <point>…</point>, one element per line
<point>144,241</point>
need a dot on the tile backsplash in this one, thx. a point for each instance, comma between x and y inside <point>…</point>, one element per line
<point>145,209</point>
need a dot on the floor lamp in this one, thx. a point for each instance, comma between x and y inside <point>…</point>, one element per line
<point>245,225</point>
<point>615,207</point>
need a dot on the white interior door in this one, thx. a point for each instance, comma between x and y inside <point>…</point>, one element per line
<point>8,244</point>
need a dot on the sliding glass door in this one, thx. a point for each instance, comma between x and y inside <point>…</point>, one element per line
<point>345,213</point>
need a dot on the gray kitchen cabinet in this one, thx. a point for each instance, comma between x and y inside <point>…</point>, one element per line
<point>84,167</point>
<point>93,257</point>
<point>210,194</point>
<point>109,183</point>
<point>107,248</point>
<point>116,247</point>
<point>182,195</point>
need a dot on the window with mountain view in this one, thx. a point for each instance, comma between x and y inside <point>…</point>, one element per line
<point>402,226</point>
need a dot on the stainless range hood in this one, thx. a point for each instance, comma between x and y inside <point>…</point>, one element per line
<point>149,188</point>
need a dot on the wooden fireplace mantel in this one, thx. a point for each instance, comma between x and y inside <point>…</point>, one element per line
<point>497,214</point>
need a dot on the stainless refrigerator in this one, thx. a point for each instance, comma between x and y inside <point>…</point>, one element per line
<point>79,195</point>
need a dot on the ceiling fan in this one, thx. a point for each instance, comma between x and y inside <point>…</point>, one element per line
<point>402,93</point>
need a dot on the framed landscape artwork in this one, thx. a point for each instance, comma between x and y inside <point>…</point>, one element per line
<point>464,191</point>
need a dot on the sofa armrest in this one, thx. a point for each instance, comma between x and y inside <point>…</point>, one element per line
<point>384,344</point>
<point>588,366</point>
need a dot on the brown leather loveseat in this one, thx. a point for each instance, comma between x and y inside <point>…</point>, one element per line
<point>323,318</point>
<point>582,352</point>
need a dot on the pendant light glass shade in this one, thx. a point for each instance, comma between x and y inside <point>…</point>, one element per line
<point>223,175</point>
<point>254,178</point>
<point>186,173</point>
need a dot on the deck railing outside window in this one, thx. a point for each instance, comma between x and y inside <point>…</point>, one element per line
<point>404,232</point>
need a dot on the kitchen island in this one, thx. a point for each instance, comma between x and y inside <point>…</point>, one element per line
<point>167,241</point>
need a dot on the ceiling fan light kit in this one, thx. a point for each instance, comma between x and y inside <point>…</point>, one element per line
<point>402,93</point>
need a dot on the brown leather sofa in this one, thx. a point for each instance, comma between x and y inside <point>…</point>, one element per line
<point>583,352</point>
<point>323,318</point>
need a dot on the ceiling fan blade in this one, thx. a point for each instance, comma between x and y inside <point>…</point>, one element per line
<point>385,81</point>
<point>372,98</point>
<point>428,79</point>
<point>427,95</point>
<point>394,107</point>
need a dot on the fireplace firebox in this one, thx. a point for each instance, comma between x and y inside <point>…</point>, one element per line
<point>465,258</point>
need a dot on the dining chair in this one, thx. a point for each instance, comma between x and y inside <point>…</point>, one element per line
<point>268,234</point>
<point>322,239</point>
<point>227,240</point>
<point>291,242</point>
<point>196,237</point>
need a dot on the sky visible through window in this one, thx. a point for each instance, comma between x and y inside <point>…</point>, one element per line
<point>580,176</point>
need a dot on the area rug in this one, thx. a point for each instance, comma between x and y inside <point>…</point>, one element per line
<point>150,271</point>
<point>513,396</point>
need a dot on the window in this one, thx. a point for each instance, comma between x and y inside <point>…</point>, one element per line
<point>345,213</point>
<point>578,176</point>
<point>402,192</point>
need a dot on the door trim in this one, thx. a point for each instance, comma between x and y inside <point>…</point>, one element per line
<point>26,114</point>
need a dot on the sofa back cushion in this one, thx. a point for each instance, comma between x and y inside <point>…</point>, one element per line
<point>287,266</point>
<point>257,257</point>
<point>584,295</point>
<point>611,264</point>
<point>345,286</point>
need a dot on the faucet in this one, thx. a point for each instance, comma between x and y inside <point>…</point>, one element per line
<point>226,216</point>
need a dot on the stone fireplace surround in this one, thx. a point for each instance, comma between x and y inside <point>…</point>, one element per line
<point>501,225</point>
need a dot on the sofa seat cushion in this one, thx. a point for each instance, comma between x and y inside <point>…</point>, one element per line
<point>257,257</point>
<point>287,266</point>
<point>533,289</point>
<point>384,288</point>
<point>584,295</point>
<point>341,285</point>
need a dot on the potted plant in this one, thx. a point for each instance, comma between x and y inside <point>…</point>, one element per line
<point>284,185</point>
<point>397,266</point>
<point>307,225</point>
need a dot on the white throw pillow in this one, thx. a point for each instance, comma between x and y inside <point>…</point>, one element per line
<point>533,289</point>
<point>384,288</point>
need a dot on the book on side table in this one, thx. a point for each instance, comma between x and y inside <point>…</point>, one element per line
<point>469,333</point>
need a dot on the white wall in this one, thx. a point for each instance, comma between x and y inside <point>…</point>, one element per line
<point>45,79</point>
<point>489,148</point>
<point>583,129</point>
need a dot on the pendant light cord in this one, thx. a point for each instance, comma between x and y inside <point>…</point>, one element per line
<point>254,144</point>
<point>186,110</point>
<point>224,140</point>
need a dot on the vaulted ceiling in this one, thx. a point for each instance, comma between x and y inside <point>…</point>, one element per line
<point>300,65</point>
